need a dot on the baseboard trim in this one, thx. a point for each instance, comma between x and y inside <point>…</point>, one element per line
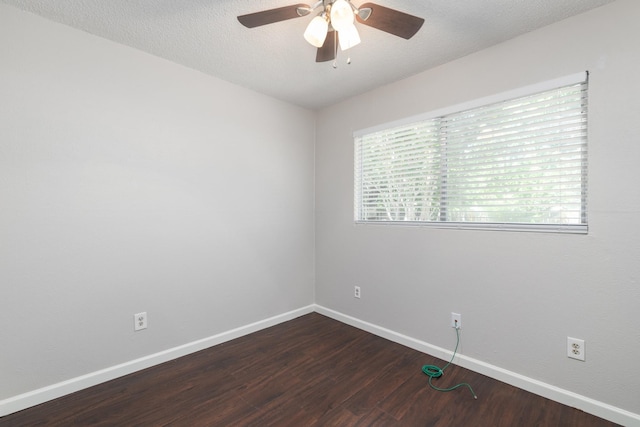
<point>54,391</point>
<point>586,404</point>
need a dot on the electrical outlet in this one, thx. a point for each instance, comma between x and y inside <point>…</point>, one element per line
<point>140,321</point>
<point>456,320</point>
<point>576,348</point>
<point>356,291</point>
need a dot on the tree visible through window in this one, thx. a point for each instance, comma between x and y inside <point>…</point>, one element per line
<point>518,163</point>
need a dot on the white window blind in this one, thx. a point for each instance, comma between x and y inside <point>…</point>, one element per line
<point>513,164</point>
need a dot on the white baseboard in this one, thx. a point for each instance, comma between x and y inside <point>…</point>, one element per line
<point>45,394</point>
<point>586,404</point>
<point>591,406</point>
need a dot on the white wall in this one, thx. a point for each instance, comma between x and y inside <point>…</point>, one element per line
<point>125,182</point>
<point>520,294</point>
<point>129,184</point>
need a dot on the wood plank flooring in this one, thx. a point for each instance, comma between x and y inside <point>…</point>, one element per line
<point>311,371</point>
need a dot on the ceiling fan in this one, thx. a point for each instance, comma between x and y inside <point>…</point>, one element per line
<point>335,23</point>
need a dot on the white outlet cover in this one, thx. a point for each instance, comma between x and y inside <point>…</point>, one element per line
<point>576,348</point>
<point>140,321</point>
<point>456,320</point>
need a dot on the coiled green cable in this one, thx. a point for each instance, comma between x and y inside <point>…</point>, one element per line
<point>432,371</point>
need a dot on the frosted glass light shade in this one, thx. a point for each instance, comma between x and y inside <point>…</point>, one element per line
<point>316,31</point>
<point>341,15</point>
<point>348,37</point>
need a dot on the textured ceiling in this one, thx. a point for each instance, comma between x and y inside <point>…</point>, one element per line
<point>276,60</point>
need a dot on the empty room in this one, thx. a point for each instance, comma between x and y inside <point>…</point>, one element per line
<point>258,213</point>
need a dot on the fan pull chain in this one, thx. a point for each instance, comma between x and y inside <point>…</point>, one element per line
<point>335,59</point>
<point>335,62</point>
<point>335,49</point>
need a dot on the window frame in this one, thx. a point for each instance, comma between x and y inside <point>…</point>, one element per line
<point>582,228</point>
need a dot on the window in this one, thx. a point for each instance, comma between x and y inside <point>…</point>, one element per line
<point>516,161</point>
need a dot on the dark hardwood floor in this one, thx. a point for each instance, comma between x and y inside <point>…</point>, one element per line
<point>311,371</point>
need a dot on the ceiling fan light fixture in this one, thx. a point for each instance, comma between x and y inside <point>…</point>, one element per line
<point>316,31</point>
<point>341,15</point>
<point>349,37</point>
<point>337,18</point>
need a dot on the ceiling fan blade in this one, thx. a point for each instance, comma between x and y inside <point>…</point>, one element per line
<point>329,48</point>
<point>391,21</point>
<point>270,16</point>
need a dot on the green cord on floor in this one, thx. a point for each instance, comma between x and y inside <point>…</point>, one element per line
<point>432,371</point>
